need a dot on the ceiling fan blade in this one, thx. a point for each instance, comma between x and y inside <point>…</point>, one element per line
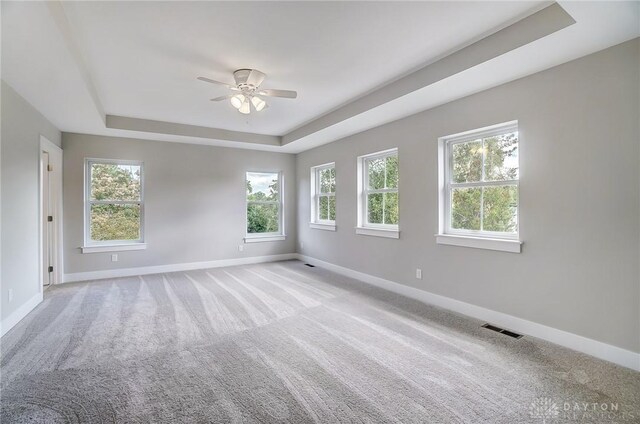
<point>288,94</point>
<point>219,99</point>
<point>229,86</point>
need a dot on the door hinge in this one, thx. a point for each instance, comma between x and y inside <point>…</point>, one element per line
<point>49,218</point>
<point>49,168</point>
<point>50,269</point>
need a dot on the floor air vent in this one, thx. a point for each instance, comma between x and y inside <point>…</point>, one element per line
<point>502,331</point>
<point>309,265</point>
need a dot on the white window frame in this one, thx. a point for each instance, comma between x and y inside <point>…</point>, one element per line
<point>97,246</point>
<point>316,193</point>
<point>492,240</point>
<point>363,226</point>
<point>266,237</point>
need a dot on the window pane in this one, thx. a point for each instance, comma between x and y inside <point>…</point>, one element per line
<point>332,176</point>
<point>327,180</point>
<point>501,157</point>
<point>115,222</point>
<point>332,208</point>
<point>467,162</point>
<point>323,208</point>
<point>391,208</point>
<point>324,181</point>
<point>500,209</point>
<point>375,171</point>
<point>392,171</point>
<point>465,208</point>
<point>374,208</point>
<point>110,181</point>
<point>262,186</point>
<point>262,218</point>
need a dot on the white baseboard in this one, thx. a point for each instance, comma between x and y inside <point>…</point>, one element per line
<point>9,322</point>
<point>128,272</point>
<point>600,350</point>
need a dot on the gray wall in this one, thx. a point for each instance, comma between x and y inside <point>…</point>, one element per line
<point>194,201</point>
<point>579,201</point>
<point>22,126</point>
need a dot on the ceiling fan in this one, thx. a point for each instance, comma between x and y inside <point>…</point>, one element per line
<point>247,91</point>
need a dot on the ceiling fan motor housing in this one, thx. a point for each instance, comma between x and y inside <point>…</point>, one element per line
<point>248,79</point>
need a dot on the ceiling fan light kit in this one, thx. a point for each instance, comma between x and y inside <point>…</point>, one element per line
<point>245,107</point>
<point>237,100</point>
<point>248,87</point>
<point>258,103</point>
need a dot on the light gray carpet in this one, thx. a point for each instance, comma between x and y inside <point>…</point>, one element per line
<point>282,342</point>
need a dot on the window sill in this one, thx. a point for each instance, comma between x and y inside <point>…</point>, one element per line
<point>319,226</point>
<point>378,232</point>
<point>262,239</point>
<point>113,247</point>
<point>504,245</point>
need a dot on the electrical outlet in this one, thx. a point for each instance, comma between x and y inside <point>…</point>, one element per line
<point>301,245</point>
<point>114,258</point>
<point>240,248</point>
<point>418,273</point>
<point>10,295</point>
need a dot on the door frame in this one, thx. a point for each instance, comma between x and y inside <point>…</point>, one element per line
<point>55,196</point>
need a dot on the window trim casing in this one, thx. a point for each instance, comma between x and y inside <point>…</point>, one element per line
<point>315,221</point>
<point>363,226</point>
<point>272,236</point>
<point>93,246</point>
<point>473,238</point>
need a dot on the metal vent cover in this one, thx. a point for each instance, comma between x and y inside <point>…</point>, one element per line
<point>502,331</point>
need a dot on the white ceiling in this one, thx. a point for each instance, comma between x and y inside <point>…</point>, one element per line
<point>142,58</point>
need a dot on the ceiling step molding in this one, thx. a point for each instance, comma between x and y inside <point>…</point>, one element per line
<point>162,127</point>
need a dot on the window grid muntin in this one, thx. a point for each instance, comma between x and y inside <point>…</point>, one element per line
<point>318,193</point>
<point>367,191</point>
<point>329,197</point>
<point>450,185</point>
<point>89,201</point>
<point>277,202</point>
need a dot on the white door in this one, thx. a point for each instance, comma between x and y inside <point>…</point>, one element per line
<point>47,219</point>
<point>50,212</point>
